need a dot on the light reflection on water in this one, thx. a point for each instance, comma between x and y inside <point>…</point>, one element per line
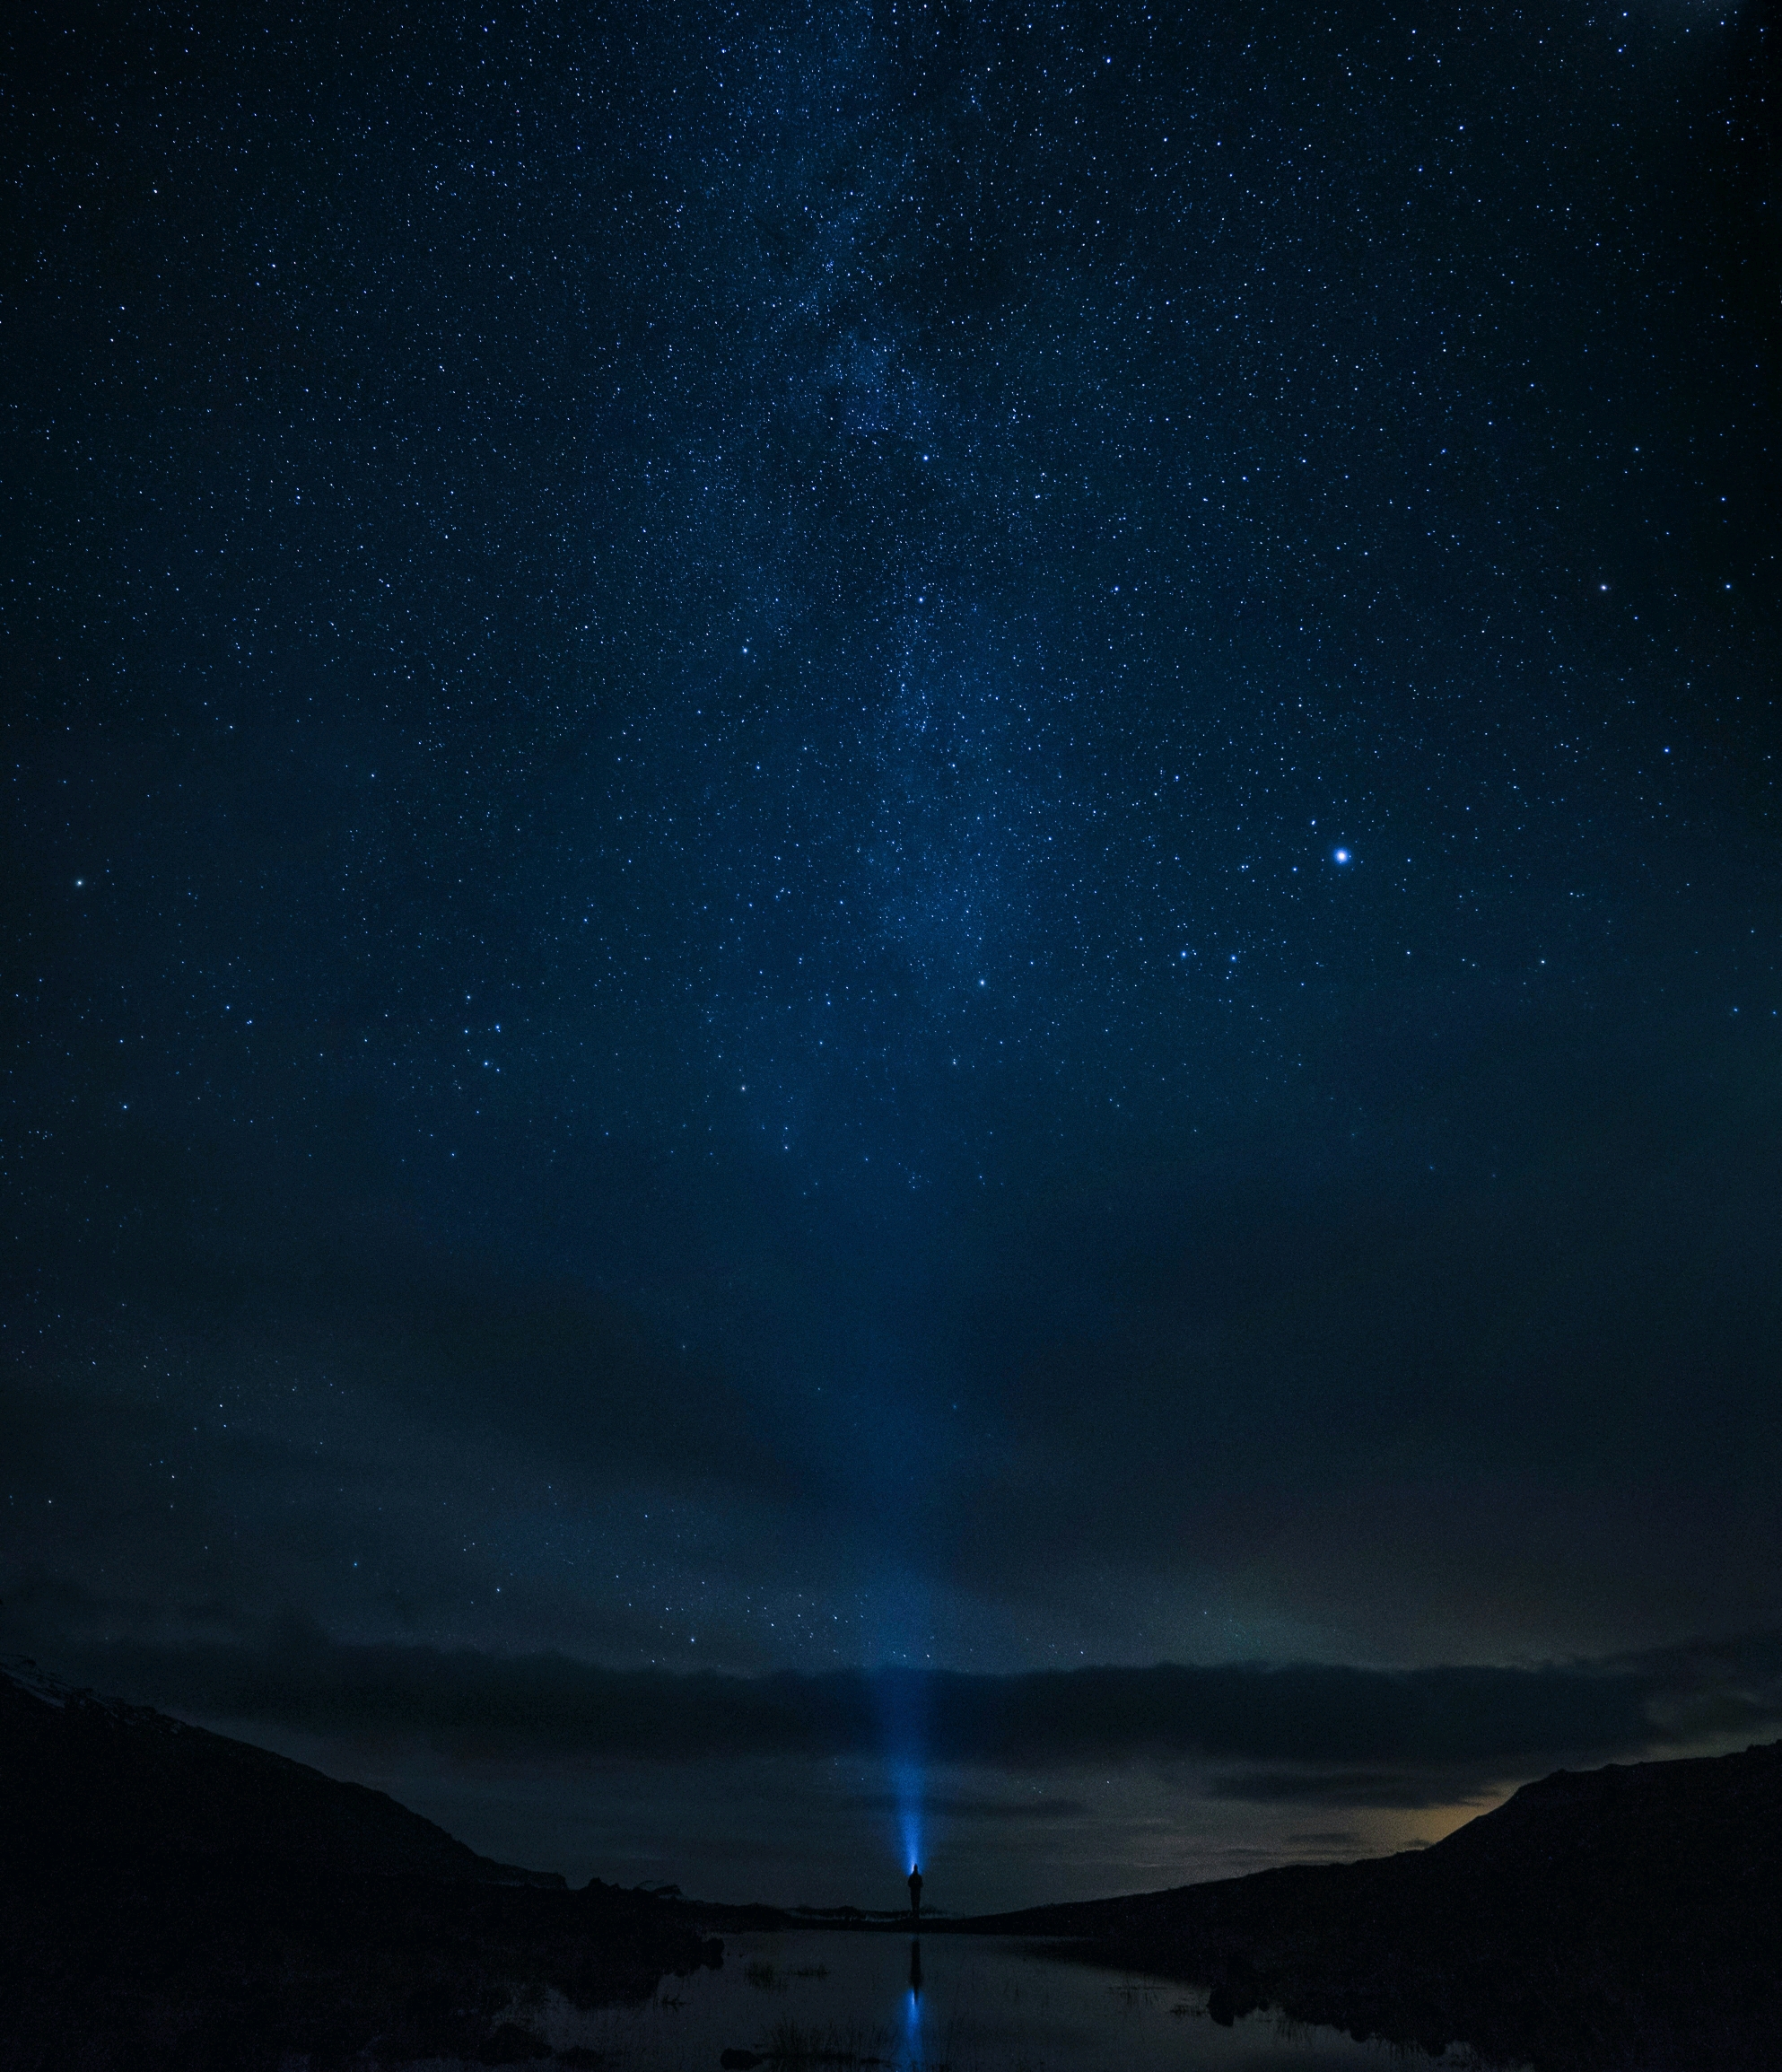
<point>910,2055</point>
<point>836,2001</point>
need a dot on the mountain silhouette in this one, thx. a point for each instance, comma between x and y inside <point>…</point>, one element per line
<point>170,1897</point>
<point>106,1777</point>
<point>1627,1917</point>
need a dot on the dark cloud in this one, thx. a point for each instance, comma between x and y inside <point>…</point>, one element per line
<point>318,1263</point>
<point>1375,1788</point>
<point>1307,1733</point>
<point>1524,1311</point>
<point>959,1806</point>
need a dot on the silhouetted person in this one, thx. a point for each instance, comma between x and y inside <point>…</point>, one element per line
<point>915,1892</point>
<point>915,1967</point>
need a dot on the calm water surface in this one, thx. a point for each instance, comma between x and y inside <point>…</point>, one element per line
<point>964,2002</point>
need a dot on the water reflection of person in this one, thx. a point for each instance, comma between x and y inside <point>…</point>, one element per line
<point>915,1892</point>
<point>909,2058</point>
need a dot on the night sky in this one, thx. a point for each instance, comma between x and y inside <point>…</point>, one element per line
<point>881,846</point>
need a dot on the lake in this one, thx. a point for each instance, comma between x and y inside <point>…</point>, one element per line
<point>964,2002</point>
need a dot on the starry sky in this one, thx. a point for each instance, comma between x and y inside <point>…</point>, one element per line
<point>854,853</point>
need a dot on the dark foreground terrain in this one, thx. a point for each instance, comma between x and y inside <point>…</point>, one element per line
<point>171,1898</point>
<point>1621,1918</point>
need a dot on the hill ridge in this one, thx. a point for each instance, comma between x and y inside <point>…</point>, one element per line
<point>115,1775</point>
<point>1617,1918</point>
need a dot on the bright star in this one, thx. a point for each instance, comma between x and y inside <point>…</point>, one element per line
<point>1342,856</point>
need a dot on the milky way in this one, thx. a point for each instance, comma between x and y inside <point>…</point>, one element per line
<point>891,836</point>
